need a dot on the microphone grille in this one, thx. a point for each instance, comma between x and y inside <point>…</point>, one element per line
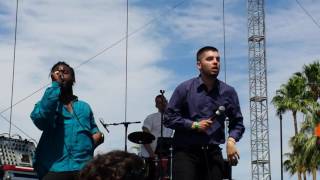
<point>222,108</point>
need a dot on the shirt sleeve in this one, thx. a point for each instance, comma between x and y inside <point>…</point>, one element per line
<point>173,115</point>
<point>94,127</point>
<point>44,112</point>
<point>236,127</point>
<point>147,123</point>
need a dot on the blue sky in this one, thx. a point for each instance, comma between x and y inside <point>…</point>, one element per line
<point>160,56</point>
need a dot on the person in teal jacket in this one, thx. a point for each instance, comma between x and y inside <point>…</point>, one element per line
<point>69,132</point>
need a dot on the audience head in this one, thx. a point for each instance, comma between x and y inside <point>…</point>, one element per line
<point>115,165</point>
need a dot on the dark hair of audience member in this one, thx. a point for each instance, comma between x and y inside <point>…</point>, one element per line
<point>115,165</point>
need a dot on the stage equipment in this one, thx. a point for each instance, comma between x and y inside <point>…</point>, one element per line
<point>12,172</point>
<point>141,137</point>
<point>163,146</point>
<point>164,150</point>
<point>16,159</point>
<point>125,124</point>
<point>16,152</point>
<point>259,127</point>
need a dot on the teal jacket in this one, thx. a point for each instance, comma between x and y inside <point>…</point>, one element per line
<point>66,142</point>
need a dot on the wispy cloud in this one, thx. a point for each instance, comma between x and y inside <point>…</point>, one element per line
<point>74,31</point>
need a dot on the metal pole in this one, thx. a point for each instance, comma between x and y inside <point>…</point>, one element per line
<point>281,147</point>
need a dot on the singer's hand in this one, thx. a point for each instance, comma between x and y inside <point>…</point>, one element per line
<point>232,152</point>
<point>98,139</point>
<point>57,76</point>
<point>204,125</point>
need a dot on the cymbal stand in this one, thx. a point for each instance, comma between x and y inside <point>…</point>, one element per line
<point>162,173</point>
<point>171,161</point>
<point>161,134</point>
<point>126,124</point>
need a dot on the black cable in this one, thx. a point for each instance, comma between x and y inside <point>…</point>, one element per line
<point>307,13</point>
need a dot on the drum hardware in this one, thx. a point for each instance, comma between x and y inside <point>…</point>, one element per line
<point>162,117</point>
<point>141,137</point>
<point>171,161</point>
<point>125,124</point>
<point>164,150</point>
<point>157,168</point>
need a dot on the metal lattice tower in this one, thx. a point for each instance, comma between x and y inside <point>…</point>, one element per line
<point>260,152</point>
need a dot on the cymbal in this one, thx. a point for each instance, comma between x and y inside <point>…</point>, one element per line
<point>141,137</point>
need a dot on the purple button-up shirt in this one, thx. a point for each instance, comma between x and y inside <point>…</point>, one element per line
<point>191,102</point>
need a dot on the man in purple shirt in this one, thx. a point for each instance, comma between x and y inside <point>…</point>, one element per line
<point>197,111</point>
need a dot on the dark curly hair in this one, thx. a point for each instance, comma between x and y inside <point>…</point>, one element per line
<point>115,165</point>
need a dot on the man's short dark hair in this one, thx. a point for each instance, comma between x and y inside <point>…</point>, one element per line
<point>204,49</point>
<point>64,63</point>
<point>115,165</point>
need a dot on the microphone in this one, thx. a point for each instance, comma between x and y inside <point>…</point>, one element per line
<point>103,124</point>
<point>220,111</point>
<point>60,71</point>
<point>61,77</point>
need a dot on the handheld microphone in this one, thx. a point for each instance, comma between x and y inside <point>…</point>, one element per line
<point>61,76</point>
<point>60,73</point>
<point>220,111</point>
<point>104,125</point>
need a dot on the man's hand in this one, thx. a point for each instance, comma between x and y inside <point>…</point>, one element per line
<point>232,152</point>
<point>98,139</point>
<point>202,125</point>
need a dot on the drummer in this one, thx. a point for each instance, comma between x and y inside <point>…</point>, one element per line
<point>152,124</point>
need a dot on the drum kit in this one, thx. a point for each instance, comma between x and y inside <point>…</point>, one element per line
<point>159,168</point>
<point>141,137</point>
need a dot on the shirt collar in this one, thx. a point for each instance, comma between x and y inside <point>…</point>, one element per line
<point>75,98</point>
<point>201,86</point>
